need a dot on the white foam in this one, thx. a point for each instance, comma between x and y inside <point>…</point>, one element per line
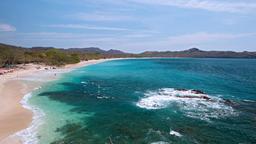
<point>174,133</point>
<point>160,142</point>
<point>29,135</point>
<point>83,82</point>
<point>249,100</point>
<point>196,107</point>
<point>102,97</point>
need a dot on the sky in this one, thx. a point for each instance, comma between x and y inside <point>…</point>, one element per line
<point>130,25</point>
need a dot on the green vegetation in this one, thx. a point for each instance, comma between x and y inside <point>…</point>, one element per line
<point>58,58</point>
<point>12,55</point>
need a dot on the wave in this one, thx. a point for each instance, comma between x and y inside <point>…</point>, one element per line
<point>245,100</point>
<point>175,133</point>
<point>29,135</point>
<point>193,103</point>
<point>160,142</point>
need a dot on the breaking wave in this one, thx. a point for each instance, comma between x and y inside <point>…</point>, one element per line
<point>29,135</point>
<point>160,142</point>
<point>193,103</point>
<point>175,133</point>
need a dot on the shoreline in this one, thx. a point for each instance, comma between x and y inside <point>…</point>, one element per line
<point>15,115</point>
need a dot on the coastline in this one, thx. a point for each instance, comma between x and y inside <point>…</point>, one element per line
<point>15,116</point>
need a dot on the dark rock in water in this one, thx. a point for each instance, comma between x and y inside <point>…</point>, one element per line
<point>205,97</point>
<point>196,97</point>
<point>194,91</point>
<point>181,89</point>
<point>187,97</point>
<point>198,92</point>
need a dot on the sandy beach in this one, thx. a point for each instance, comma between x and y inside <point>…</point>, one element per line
<point>13,86</point>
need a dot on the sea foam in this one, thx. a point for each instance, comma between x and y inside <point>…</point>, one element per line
<point>193,104</point>
<point>29,135</point>
<point>174,133</point>
<point>160,142</point>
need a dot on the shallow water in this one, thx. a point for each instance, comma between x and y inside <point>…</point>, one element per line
<point>151,101</point>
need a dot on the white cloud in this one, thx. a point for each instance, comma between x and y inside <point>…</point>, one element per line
<point>78,26</point>
<point>101,16</point>
<point>210,5</point>
<point>7,28</point>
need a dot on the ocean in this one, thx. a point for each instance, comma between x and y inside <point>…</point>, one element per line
<point>149,101</point>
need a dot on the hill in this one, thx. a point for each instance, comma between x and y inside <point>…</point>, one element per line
<point>197,53</point>
<point>11,55</point>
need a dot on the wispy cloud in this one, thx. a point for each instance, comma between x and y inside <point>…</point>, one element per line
<point>210,5</point>
<point>79,26</point>
<point>138,35</point>
<point>7,28</point>
<point>81,36</point>
<point>101,16</point>
<point>178,42</point>
<point>203,37</point>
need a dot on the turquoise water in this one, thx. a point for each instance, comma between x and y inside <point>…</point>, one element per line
<point>147,101</point>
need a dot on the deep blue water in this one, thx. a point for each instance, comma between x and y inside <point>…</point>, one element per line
<point>139,101</point>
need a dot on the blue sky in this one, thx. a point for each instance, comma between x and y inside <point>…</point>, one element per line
<point>130,25</point>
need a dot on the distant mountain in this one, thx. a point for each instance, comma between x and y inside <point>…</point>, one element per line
<point>115,52</point>
<point>96,50</point>
<point>8,46</point>
<point>86,50</point>
<point>75,50</point>
<point>193,52</point>
<point>197,53</point>
<point>38,49</point>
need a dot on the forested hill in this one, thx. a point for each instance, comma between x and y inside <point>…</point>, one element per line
<point>10,55</point>
<point>197,53</point>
